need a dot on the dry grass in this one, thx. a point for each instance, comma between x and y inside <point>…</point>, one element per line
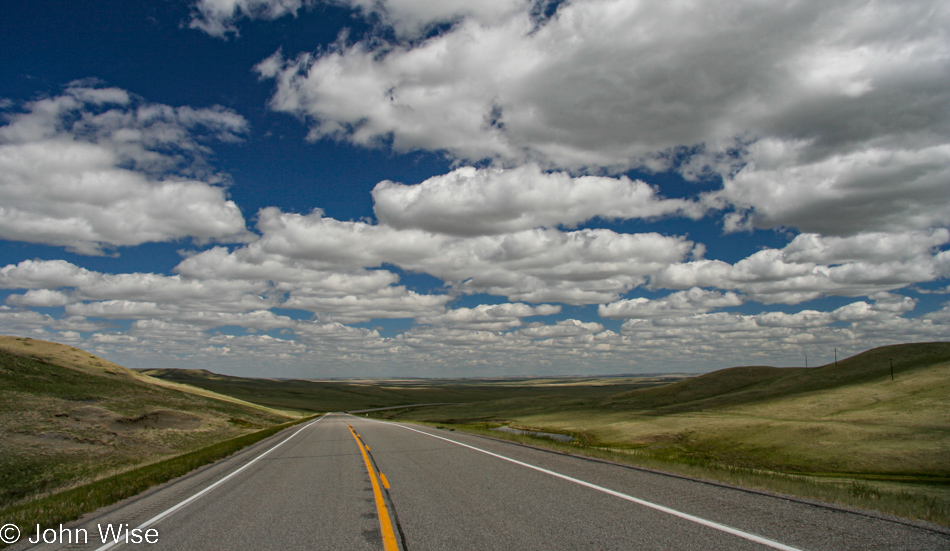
<point>71,503</point>
<point>67,425</point>
<point>80,360</point>
<point>844,433</point>
<point>880,427</point>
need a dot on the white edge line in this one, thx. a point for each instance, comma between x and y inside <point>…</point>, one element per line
<point>174,508</point>
<point>674,512</point>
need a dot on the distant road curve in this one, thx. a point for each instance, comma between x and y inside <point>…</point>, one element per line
<point>351,483</point>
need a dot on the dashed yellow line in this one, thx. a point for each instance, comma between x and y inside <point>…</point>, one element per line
<point>385,522</point>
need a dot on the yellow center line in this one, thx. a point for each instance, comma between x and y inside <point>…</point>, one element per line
<point>385,523</point>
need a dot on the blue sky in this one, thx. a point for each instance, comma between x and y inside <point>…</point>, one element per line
<point>402,188</point>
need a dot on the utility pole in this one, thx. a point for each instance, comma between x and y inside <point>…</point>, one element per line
<point>892,368</point>
<point>806,360</point>
<point>836,355</point>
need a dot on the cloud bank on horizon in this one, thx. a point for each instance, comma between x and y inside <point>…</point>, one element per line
<point>619,187</point>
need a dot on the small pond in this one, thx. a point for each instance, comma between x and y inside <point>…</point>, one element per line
<point>551,435</point>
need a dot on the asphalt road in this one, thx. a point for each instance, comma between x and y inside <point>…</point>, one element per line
<point>324,486</point>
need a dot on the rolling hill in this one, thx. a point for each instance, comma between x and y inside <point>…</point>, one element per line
<point>747,385</point>
<point>847,419</point>
<point>68,417</point>
<point>339,395</point>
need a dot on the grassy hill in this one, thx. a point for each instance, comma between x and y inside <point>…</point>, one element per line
<point>364,394</point>
<point>68,417</point>
<point>747,385</point>
<point>848,428</point>
<point>844,418</point>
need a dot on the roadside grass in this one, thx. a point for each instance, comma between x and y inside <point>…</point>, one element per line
<point>918,498</point>
<point>61,425</point>
<point>68,505</point>
<point>846,434</point>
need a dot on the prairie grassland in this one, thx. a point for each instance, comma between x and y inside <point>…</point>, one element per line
<point>340,395</point>
<point>80,360</point>
<point>67,424</point>
<point>70,504</point>
<point>843,433</point>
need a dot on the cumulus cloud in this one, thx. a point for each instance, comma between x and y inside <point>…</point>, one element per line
<point>385,303</point>
<point>86,293</point>
<point>219,17</point>
<point>39,298</point>
<point>812,266</point>
<point>44,274</point>
<point>830,118</point>
<point>95,167</point>
<point>24,321</point>
<point>865,247</point>
<point>653,77</point>
<point>855,327</point>
<point>586,266</point>
<point>470,201</point>
<point>677,304</point>
<point>490,317</point>
<point>410,18</point>
<point>876,187</point>
<point>17,321</point>
<point>407,18</point>
<point>120,309</point>
<point>563,328</point>
<point>341,292</point>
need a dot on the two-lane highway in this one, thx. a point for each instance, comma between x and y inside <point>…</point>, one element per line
<point>345,482</point>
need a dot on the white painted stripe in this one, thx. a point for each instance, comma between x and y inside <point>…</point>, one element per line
<point>171,510</point>
<point>674,512</point>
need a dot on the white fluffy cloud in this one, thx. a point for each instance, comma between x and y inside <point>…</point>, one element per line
<point>470,201</point>
<point>586,266</point>
<point>677,304</point>
<point>490,317</point>
<point>899,186</point>
<point>607,81</point>
<point>828,117</point>
<point>865,247</point>
<point>408,18</point>
<point>570,328</point>
<point>132,295</point>
<point>878,322</point>
<point>45,274</point>
<point>386,303</point>
<point>95,167</point>
<point>39,298</point>
<point>219,17</point>
<point>812,266</point>
<point>831,119</point>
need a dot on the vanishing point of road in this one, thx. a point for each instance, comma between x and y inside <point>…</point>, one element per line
<point>343,482</point>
